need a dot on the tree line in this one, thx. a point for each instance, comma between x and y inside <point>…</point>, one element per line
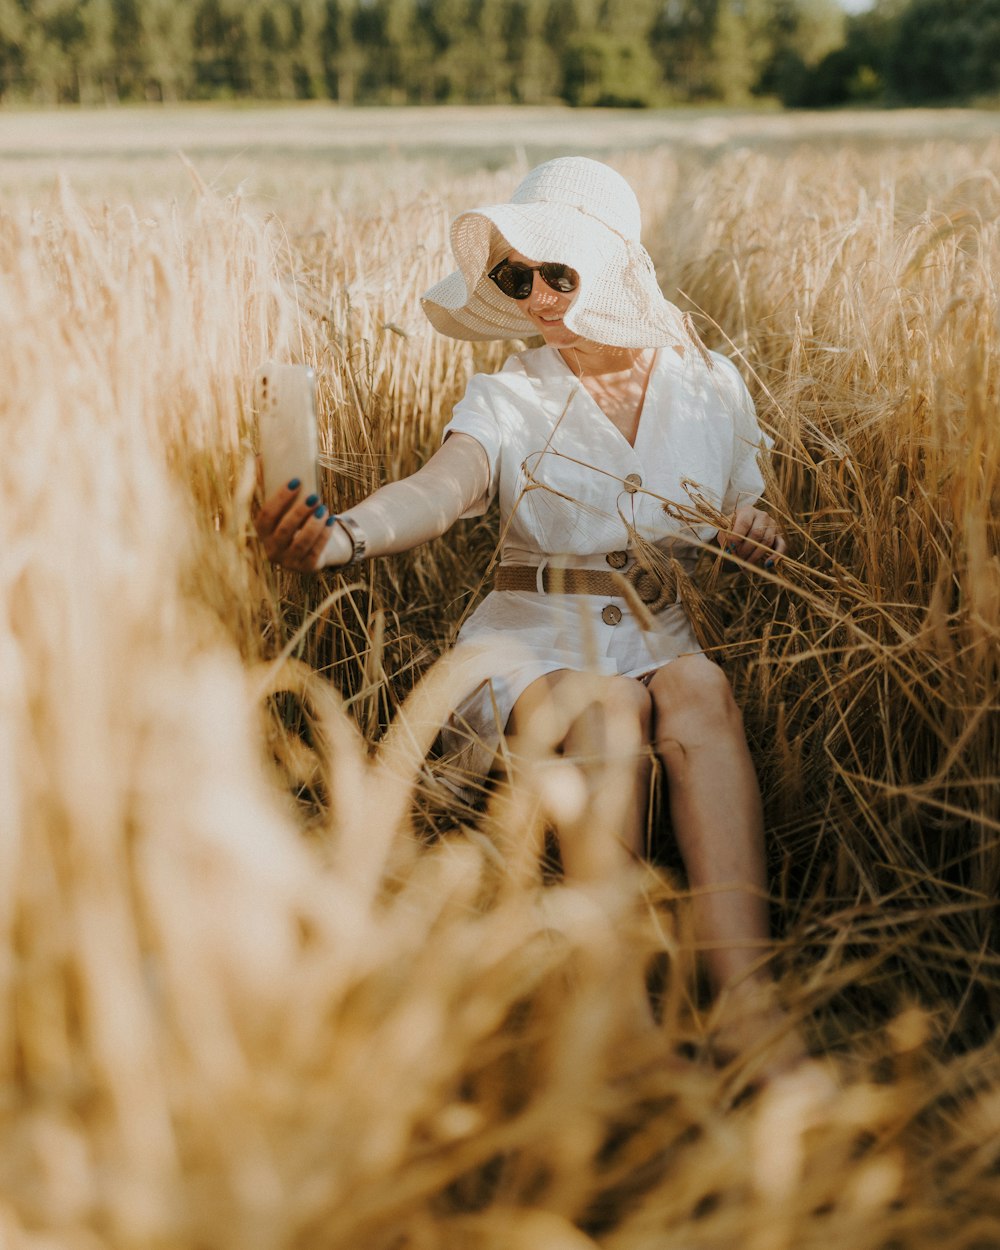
<point>627,53</point>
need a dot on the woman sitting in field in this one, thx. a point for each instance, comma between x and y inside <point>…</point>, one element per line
<point>598,443</point>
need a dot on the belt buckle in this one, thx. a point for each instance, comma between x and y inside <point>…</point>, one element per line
<point>655,593</point>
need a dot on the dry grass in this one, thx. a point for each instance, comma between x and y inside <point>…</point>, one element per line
<point>264,982</point>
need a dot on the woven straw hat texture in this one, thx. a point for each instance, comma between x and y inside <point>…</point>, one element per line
<point>581,213</point>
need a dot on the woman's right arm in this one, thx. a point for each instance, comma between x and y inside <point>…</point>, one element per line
<point>299,535</point>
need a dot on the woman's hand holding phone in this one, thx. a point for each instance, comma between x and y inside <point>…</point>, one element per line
<point>295,528</point>
<point>298,533</point>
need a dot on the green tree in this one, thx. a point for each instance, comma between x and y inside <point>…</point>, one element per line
<point>391,69</point>
<point>852,73</point>
<point>220,46</point>
<point>476,59</point>
<point>166,42</point>
<point>343,56</point>
<point>308,66</point>
<point>738,51</point>
<point>270,41</point>
<point>131,70</point>
<point>630,20</point>
<point>606,71</point>
<point>534,72</point>
<point>424,38</point>
<point>681,41</point>
<point>946,50</point>
<point>54,32</point>
<point>13,70</point>
<point>560,25</point>
<point>368,33</point>
<point>606,52</point>
<point>799,34</point>
<point>94,56</point>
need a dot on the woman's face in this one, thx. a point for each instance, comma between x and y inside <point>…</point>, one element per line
<point>545,307</point>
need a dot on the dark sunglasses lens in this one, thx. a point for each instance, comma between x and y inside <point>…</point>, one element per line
<point>559,277</point>
<point>513,280</point>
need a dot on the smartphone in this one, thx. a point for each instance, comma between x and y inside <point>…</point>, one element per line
<point>285,400</point>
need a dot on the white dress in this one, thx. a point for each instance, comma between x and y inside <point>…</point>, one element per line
<point>570,488</point>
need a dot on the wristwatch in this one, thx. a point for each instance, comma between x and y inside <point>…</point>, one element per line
<point>356,534</point>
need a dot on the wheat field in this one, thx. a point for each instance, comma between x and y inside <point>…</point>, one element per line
<point>265,980</point>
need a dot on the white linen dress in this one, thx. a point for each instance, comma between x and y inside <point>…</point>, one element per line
<point>570,487</point>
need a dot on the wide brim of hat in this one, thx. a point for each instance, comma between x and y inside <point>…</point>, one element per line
<point>618,301</point>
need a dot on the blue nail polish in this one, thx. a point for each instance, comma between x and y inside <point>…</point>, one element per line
<point>320,511</point>
<point>730,550</point>
<point>294,484</point>
<point>769,564</point>
<point>313,499</point>
<point>330,520</point>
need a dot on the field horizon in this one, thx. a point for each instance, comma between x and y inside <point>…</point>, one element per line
<point>259,150</point>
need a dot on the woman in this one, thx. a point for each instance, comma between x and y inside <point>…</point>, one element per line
<point>598,443</point>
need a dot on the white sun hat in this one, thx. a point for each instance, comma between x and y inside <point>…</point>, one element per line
<point>577,212</point>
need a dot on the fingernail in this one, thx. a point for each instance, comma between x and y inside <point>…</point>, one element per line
<point>320,511</point>
<point>330,519</point>
<point>769,564</point>
<point>311,500</point>
<point>294,484</point>
<point>730,550</point>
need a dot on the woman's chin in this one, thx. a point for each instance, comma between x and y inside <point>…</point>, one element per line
<point>557,334</point>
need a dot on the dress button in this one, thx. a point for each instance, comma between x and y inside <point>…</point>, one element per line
<point>632,483</point>
<point>617,559</point>
<point>612,614</point>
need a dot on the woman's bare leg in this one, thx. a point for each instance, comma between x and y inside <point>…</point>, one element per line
<point>600,725</point>
<point>717,819</point>
<point>715,810</point>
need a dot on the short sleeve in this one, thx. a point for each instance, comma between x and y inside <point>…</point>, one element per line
<point>474,415</point>
<point>746,481</point>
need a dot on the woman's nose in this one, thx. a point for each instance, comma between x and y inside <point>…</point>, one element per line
<point>542,295</point>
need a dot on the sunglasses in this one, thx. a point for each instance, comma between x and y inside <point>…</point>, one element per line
<point>515,280</point>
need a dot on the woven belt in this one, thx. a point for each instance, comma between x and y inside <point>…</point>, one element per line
<point>655,592</point>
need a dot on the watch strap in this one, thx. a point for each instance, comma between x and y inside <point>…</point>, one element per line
<point>356,534</point>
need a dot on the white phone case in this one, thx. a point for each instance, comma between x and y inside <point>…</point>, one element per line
<point>285,399</point>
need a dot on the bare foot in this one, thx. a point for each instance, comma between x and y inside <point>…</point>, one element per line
<point>750,1030</point>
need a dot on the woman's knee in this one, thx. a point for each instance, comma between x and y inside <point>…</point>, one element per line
<point>627,698</point>
<point>611,721</point>
<point>568,699</point>
<point>692,699</point>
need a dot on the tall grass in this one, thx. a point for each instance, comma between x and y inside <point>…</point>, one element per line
<point>264,980</point>
<point>866,309</point>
